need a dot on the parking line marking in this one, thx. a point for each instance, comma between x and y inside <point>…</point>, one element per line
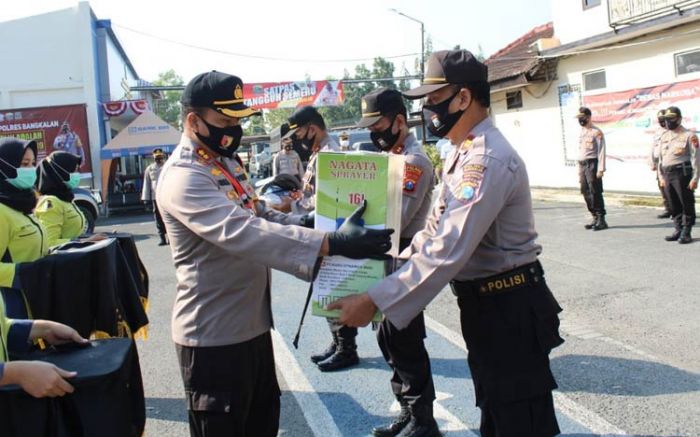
<point>317,416</point>
<point>575,411</point>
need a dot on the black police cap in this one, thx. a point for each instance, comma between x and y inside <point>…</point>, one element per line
<point>673,112</point>
<point>378,103</point>
<point>301,117</point>
<point>219,91</point>
<point>583,112</point>
<point>448,67</point>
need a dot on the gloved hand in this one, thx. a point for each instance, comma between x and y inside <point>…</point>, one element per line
<point>308,220</point>
<point>354,241</point>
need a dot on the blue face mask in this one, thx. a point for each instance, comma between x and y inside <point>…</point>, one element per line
<point>25,179</point>
<point>73,180</point>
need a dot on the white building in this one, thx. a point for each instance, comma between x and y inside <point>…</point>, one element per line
<point>624,59</point>
<point>66,57</point>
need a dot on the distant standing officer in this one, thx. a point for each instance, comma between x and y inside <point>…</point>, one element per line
<point>591,167</point>
<point>480,237</point>
<point>654,161</point>
<point>287,161</point>
<point>385,115</point>
<point>223,244</point>
<point>679,162</point>
<point>148,192</point>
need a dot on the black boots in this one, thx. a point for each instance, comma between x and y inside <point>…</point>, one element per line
<point>330,350</point>
<point>684,237</point>
<point>422,423</point>
<point>675,236</point>
<point>345,355</point>
<point>664,215</point>
<point>600,223</point>
<point>412,421</point>
<point>395,427</point>
<point>163,240</point>
<point>592,223</point>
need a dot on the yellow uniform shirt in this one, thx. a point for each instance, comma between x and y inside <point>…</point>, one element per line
<point>22,239</point>
<point>62,220</point>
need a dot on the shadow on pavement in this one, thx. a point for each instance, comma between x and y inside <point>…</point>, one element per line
<point>170,409</point>
<point>622,377</point>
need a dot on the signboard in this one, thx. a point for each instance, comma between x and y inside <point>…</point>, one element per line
<point>630,11</point>
<point>53,128</point>
<point>273,95</point>
<point>628,118</point>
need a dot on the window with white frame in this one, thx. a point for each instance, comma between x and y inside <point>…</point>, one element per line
<point>514,100</point>
<point>594,80</point>
<point>587,4</point>
<point>688,62</point>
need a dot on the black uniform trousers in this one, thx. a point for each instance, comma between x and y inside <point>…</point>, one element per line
<point>231,390</point>
<point>509,334</point>
<point>662,190</point>
<point>591,186</point>
<point>160,226</point>
<point>404,351</point>
<point>681,198</point>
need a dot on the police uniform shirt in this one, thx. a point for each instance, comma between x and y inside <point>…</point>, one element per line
<point>223,252</point>
<point>592,146</point>
<point>150,181</point>
<point>656,146</point>
<point>482,225</point>
<point>417,188</point>
<point>287,162</point>
<point>679,147</point>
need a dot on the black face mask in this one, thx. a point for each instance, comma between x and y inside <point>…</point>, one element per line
<point>583,121</point>
<point>673,124</point>
<point>439,120</point>
<point>218,141</point>
<point>662,122</point>
<point>308,142</point>
<point>385,140</point>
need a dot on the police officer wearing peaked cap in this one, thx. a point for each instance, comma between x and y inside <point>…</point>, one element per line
<point>480,238</point>
<point>224,242</point>
<point>385,115</point>
<point>679,170</point>
<point>591,167</point>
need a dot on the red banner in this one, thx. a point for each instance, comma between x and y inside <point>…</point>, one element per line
<point>628,118</point>
<point>53,128</point>
<point>273,95</point>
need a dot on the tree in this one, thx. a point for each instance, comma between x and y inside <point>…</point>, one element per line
<point>168,108</point>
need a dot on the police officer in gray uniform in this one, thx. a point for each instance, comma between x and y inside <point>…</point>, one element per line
<point>224,242</point>
<point>287,161</point>
<point>385,115</point>
<point>591,167</point>
<point>480,238</point>
<point>148,192</point>
<point>679,163</point>
<point>307,125</point>
<point>654,160</point>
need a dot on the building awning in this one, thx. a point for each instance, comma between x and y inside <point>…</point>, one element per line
<point>141,136</point>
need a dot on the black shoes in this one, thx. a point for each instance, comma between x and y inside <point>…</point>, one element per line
<point>664,215</point>
<point>395,427</point>
<point>673,237</point>
<point>600,223</point>
<point>163,240</point>
<point>685,237</point>
<point>591,224</point>
<point>341,359</point>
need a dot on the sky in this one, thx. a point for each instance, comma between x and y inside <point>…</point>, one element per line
<point>302,36</point>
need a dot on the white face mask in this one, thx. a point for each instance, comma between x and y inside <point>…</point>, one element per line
<point>344,143</point>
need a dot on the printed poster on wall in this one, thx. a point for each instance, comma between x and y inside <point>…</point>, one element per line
<point>273,95</point>
<point>53,128</point>
<point>628,118</point>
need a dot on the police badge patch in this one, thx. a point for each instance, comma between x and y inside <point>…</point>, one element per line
<point>472,176</point>
<point>411,176</point>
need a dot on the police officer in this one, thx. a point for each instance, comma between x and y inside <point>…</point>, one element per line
<point>480,237</point>
<point>224,243</point>
<point>287,161</point>
<point>148,192</point>
<point>308,127</point>
<point>591,166</point>
<point>679,162</point>
<point>654,160</point>
<point>385,115</point>
<point>344,141</point>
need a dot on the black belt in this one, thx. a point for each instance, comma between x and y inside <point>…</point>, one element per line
<point>678,167</point>
<point>587,161</point>
<point>518,278</point>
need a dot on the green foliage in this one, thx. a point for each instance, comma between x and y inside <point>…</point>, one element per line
<point>168,108</point>
<point>434,156</point>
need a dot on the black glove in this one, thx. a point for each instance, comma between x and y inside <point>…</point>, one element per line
<point>354,241</point>
<point>308,220</point>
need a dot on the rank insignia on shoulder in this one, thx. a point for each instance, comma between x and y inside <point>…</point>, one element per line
<point>203,154</point>
<point>215,172</point>
<point>411,176</point>
<point>232,195</point>
<point>467,143</point>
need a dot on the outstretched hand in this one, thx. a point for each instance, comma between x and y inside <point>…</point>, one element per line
<point>352,240</point>
<point>355,310</point>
